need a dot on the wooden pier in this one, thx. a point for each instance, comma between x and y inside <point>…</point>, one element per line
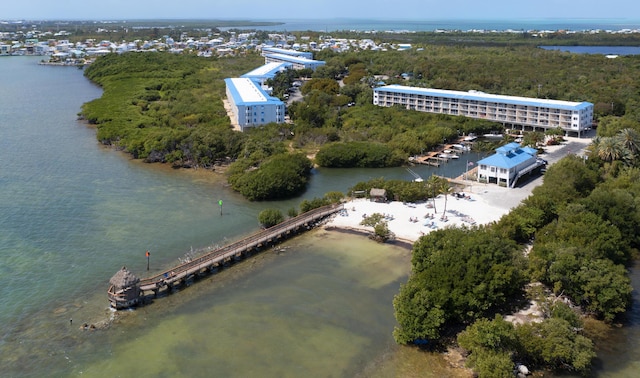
<point>126,290</point>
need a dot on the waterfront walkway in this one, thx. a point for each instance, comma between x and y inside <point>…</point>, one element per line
<point>236,249</point>
<point>211,261</point>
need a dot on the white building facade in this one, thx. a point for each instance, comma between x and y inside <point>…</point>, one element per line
<point>508,164</point>
<point>526,114</point>
<point>251,105</point>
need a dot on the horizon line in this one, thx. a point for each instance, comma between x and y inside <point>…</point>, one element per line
<point>378,19</point>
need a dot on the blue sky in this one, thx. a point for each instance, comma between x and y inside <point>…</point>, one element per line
<point>319,9</point>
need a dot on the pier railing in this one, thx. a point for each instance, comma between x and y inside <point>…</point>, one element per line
<point>229,251</point>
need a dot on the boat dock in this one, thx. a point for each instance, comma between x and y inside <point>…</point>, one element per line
<point>126,290</point>
<point>442,154</point>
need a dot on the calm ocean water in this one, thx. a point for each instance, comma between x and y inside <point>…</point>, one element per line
<point>72,213</point>
<point>604,50</point>
<point>339,24</point>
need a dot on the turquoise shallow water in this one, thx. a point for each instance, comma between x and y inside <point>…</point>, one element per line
<point>72,213</point>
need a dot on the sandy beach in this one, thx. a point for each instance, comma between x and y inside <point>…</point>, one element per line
<point>484,204</point>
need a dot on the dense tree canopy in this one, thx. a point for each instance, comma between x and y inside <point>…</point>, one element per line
<point>583,256</point>
<point>519,71</point>
<point>358,154</point>
<point>270,217</point>
<point>581,223</point>
<point>398,190</point>
<point>496,345</point>
<point>280,176</point>
<point>458,276</point>
<point>163,107</point>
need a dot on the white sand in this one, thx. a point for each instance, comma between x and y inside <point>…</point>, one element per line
<point>488,203</point>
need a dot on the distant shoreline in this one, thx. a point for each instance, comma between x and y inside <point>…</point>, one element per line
<point>363,25</point>
<point>360,24</point>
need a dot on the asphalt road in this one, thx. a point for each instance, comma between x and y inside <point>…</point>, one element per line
<point>294,96</point>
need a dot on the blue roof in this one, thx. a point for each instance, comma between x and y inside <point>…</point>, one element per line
<point>246,92</point>
<point>295,59</point>
<point>267,71</point>
<point>508,156</point>
<point>276,50</point>
<point>481,96</point>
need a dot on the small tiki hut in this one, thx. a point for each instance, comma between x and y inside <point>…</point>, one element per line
<point>378,195</point>
<point>124,289</point>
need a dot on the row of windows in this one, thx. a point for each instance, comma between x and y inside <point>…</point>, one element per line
<point>402,98</point>
<point>255,121</point>
<point>262,107</point>
<point>492,109</point>
<point>531,119</point>
<point>493,169</point>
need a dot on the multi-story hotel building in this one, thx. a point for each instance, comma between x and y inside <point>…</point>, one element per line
<point>265,72</point>
<point>251,105</point>
<point>298,62</point>
<point>527,114</point>
<point>275,50</point>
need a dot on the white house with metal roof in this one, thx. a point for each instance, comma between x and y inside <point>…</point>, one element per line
<point>251,105</point>
<point>528,114</point>
<point>508,164</point>
<point>297,62</point>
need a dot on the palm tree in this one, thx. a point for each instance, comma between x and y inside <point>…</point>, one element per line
<point>630,140</point>
<point>533,139</point>
<point>433,183</point>
<point>446,189</point>
<point>592,149</point>
<point>609,149</point>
